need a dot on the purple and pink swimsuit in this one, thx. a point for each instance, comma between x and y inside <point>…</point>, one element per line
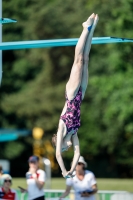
<point>72,115</point>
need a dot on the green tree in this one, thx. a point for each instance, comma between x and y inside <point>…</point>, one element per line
<point>32,92</point>
<point>110,92</point>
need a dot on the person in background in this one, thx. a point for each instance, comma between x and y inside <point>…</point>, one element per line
<point>84,183</point>
<point>1,170</point>
<point>5,190</point>
<point>35,180</point>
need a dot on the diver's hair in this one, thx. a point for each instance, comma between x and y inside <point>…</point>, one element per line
<point>54,140</point>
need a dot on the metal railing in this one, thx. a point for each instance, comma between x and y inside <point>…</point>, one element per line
<point>101,195</point>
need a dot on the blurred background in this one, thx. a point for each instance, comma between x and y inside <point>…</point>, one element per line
<point>32,92</point>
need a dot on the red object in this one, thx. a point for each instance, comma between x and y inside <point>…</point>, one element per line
<point>10,195</point>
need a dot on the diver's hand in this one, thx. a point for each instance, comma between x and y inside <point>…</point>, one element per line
<point>64,173</point>
<point>68,174</point>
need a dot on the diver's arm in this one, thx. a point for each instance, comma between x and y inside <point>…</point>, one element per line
<point>76,147</point>
<point>58,150</point>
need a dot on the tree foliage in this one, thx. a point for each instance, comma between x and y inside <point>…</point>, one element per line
<point>32,92</point>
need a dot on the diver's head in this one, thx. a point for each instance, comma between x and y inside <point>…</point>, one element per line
<point>66,143</point>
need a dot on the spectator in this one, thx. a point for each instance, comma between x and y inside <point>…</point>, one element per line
<point>1,170</point>
<point>83,183</point>
<point>35,180</point>
<point>5,190</point>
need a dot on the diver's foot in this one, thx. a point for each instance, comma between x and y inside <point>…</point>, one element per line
<point>88,24</point>
<point>95,21</point>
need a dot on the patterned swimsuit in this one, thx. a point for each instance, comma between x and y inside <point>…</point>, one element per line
<point>72,115</point>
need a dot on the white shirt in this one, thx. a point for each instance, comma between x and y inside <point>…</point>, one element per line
<point>33,190</point>
<point>80,186</point>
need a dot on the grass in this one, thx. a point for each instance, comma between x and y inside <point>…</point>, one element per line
<point>115,184</point>
<point>103,184</point>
